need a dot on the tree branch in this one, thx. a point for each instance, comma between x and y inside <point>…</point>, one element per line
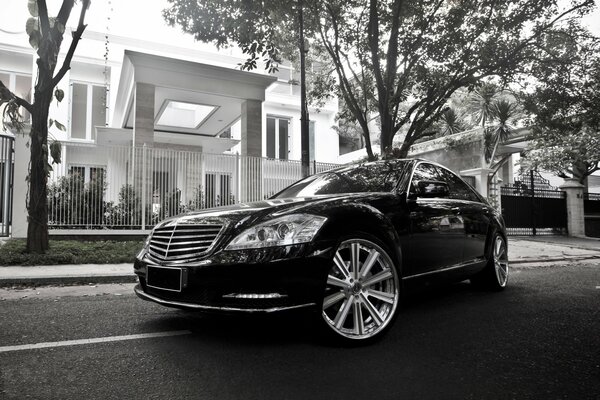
<point>76,37</point>
<point>6,95</point>
<point>65,11</point>
<point>43,16</point>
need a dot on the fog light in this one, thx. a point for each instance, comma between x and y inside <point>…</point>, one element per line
<point>255,296</point>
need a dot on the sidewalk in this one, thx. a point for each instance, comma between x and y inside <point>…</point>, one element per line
<point>66,274</point>
<point>543,249</point>
<point>523,252</point>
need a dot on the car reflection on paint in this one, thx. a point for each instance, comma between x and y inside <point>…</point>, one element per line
<point>344,243</point>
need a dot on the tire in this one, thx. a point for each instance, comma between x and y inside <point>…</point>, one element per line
<point>362,293</point>
<point>495,274</point>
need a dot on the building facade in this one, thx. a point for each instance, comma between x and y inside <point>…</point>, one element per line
<point>165,128</point>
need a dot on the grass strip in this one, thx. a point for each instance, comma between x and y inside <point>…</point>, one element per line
<point>13,252</point>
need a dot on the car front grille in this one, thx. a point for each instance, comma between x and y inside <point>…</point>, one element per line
<point>183,242</point>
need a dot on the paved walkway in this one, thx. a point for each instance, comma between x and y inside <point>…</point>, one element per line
<point>523,252</point>
<point>540,249</point>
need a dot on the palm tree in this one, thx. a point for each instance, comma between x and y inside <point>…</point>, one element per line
<point>479,103</point>
<point>451,122</point>
<point>502,112</point>
<point>494,111</point>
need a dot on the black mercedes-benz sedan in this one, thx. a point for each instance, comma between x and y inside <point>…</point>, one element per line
<point>344,242</point>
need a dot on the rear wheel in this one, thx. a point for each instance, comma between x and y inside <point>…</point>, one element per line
<point>495,274</point>
<point>362,293</point>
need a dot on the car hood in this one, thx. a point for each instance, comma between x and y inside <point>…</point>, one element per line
<point>249,213</point>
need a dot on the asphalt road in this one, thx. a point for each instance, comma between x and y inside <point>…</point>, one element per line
<point>539,339</point>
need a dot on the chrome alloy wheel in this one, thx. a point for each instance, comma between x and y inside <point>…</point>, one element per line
<point>500,261</point>
<point>362,294</point>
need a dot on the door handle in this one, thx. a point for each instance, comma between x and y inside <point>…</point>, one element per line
<point>456,210</point>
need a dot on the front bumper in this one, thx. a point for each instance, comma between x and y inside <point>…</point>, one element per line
<point>258,280</point>
<point>203,307</point>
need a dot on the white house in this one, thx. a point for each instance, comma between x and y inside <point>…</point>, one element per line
<point>168,121</point>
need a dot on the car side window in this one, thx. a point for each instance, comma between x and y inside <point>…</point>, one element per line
<point>458,189</point>
<point>423,172</point>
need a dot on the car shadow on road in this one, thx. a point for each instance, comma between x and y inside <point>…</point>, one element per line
<point>301,326</point>
<point>255,329</point>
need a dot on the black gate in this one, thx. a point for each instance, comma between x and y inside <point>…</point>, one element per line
<point>591,207</point>
<point>6,182</point>
<point>531,206</point>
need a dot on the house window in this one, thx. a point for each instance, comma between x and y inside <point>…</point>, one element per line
<point>19,84</point>
<point>87,172</point>
<point>88,110</point>
<point>278,137</point>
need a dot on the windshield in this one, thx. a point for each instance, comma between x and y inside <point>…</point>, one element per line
<point>369,177</point>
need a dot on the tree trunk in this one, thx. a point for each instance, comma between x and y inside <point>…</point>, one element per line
<point>580,173</point>
<point>403,152</point>
<point>386,135</point>
<point>367,141</point>
<point>37,228</point>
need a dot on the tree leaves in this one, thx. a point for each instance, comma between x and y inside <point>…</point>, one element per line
<point>31,25</point>
<point>32,6</point>
<point>59,94</point>
<point>55,152</point>
<point>60,126</point>
<point>564,110</point>
<point>35,39</point>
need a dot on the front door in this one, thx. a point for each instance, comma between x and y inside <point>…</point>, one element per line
<point>437,230</point>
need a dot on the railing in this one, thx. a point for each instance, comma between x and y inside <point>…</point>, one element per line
<point>101,187</point>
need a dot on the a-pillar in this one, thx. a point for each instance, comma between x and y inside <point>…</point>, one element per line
<point>575,213</point>
<point>143,143</point>
<point>251,162</point>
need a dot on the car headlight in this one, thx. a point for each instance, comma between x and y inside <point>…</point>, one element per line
<point>282,231</point>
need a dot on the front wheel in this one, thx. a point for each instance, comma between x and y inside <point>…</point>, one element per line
<point>495,274</point>
<point>362,292</point>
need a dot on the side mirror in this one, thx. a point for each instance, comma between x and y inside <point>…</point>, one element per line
<point>432,189</point>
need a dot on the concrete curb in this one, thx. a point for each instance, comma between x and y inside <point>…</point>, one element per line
<point>556,259</point>
<point>66,280</point>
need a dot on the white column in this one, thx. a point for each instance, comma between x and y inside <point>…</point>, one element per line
<point>251,169</point>
<point>481,177</point>
<point>575,213</point>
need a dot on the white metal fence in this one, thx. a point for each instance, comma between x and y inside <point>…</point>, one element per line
<point>101,187</point>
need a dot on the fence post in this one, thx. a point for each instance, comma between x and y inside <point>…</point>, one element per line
<point>532,202</point>
<point>144,186</point>
<point>238,197</point>
<point>575,211</point>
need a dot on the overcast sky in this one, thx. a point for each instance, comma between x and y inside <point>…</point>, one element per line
<point>137,18</point>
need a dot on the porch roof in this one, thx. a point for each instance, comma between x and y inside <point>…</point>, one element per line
<point>220,91</point>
